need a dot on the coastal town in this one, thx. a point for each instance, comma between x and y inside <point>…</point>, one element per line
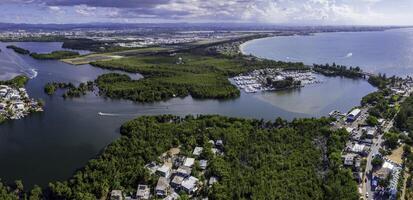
<point>177,174</point>
<point>15,103</point>
<point>375,166</point>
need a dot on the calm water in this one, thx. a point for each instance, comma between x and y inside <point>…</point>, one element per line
<point>51,145</point>
<point>389,52</point>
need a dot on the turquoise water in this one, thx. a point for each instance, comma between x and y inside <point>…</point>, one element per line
<point>389,52</point>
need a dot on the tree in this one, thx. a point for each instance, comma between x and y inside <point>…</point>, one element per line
<point>372,121</point>
<point>36,193</point>
<point>377,162</point>
<point>391,140</point>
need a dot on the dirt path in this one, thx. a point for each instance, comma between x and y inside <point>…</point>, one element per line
<point>406,175</point>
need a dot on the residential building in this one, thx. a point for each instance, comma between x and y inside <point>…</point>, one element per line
<point>116,195</point>
<point>143,192</point>
<point>353,115</point>
<point>190,185</point>
<point>164,171</point>
<point>162,187</point>
<point>203,164</point>
<point>197,151</point>
<point>189,162</point>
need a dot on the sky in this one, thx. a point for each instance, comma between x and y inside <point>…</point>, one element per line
<point>300,12</point>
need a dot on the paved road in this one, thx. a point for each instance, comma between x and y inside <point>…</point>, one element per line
<point>366,186</point>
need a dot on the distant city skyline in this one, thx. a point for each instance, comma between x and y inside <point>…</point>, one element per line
<point>294,12</point>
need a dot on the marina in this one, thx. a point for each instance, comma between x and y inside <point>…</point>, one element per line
<point>264,79</point>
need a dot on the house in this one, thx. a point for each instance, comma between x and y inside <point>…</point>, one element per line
<point>162,187</point>
<point>19,105</point>
<point>197,151</point>
<point>370,132</point>
<point>152,167</point>
<point>203,164</point>
<point>353,115</point>
<point>367,141</point>
<point>172,196</point>
<point>349,160</point>
<point>116,195</point>
<point>358,148</point>
<point>382,122</point>
<point>189,162</point>
<point>219,144</point>
<point>164,171</point>
<point>3,92</point>
<point>190,185</point>
<point>177,181</point>
<point>184,171</point>
<point>3,106</point>
<point>143,192</point>
<point>212,180</point>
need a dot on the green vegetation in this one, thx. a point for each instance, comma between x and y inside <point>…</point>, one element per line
<point>379,81</point>
<point>377,161</point>
<point>71,90</point>
<point>404,119</point>
<point>87,44</point>
<point>288,82</point>
<point>391,140</point>
<point>182,75</point>
<point>339,70</point>
<point>2,119</point>
<point>18,81</point>
<point>381,102</point>
<point>372,121</point>
<point>262,160</point>
<point>55,55</point>
<point>50,88</point>
<point>18,49</point>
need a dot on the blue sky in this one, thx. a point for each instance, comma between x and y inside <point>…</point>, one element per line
<point>302,12</point>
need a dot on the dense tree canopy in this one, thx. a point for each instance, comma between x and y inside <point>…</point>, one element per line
<point>181,75</point>
<point>55,55</point>
<point>262,160</point>
<point>18,81</point>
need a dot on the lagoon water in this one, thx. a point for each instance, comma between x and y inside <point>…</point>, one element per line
<point>50,146</point>
<point>389,52</point>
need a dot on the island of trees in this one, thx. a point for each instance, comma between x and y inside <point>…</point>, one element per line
<point>71,89</point>
<point>55,55</point>
<point>18,49</point>
<point>166,76</point>
<point>339,70</point>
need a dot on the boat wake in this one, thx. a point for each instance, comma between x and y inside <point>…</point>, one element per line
<point>31,73</point>
<point>19,63</point>
<point>116,114</point>
<point>110,114</point>
<point>349,55</point>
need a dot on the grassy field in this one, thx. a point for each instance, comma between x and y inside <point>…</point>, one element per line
<point>81,60</point>
<point>86,59</point>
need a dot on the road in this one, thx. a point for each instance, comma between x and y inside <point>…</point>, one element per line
<point>377,143</point>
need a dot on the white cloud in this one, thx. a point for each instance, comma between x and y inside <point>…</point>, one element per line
<point>85,10</point>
